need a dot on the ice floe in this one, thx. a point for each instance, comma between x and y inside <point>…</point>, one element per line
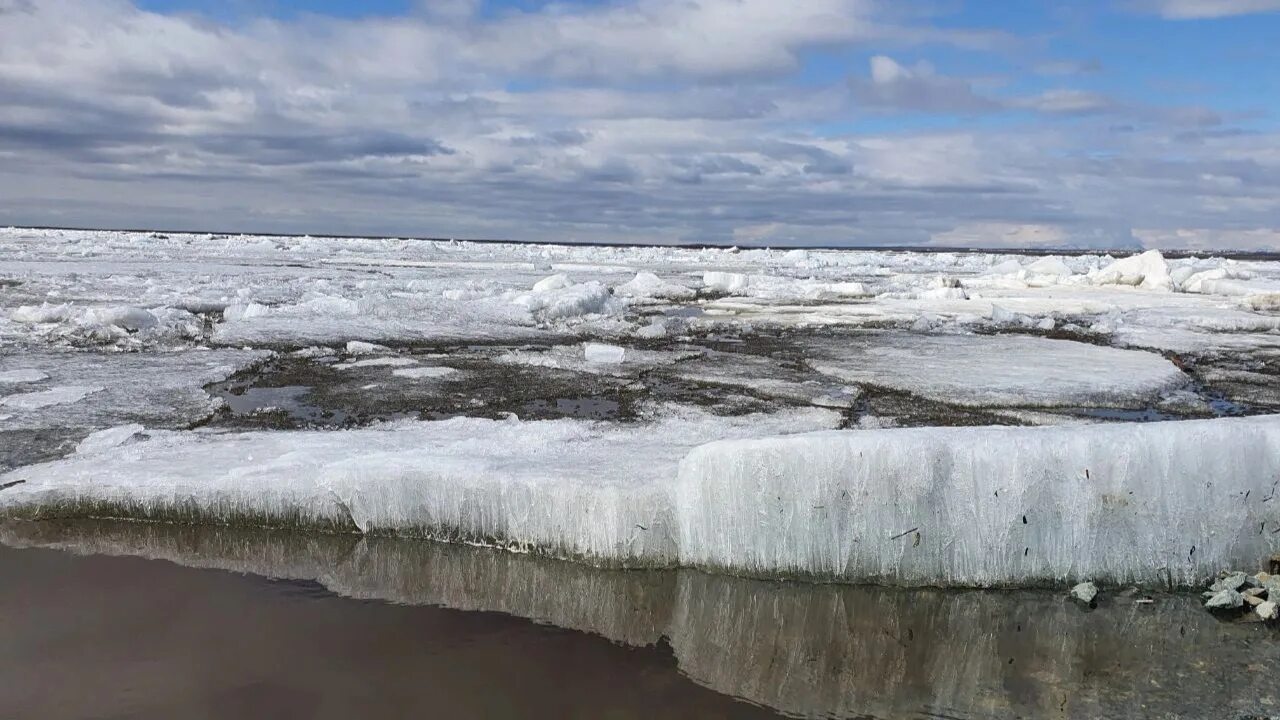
<point>990,370</point>
<point>925,506</point>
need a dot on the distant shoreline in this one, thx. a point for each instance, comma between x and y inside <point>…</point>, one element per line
<point>1038,251</point>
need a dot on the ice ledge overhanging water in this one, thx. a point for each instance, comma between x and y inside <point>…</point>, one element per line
<point>1166,503</point>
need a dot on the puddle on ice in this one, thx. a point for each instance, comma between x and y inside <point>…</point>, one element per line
<point>320,625</point>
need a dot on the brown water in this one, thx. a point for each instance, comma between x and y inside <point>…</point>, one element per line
<point>110,620</point>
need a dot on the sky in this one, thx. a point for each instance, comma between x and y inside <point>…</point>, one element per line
<point>996,123</point>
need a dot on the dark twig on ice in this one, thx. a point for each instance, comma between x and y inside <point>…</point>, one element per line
<point>899,535</point>
<point>8,485</point>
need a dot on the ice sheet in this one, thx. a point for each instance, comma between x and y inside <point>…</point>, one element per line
<point>930,506</point>
<point>998,370</point>
<point>1156,503</point>
<point>589,490</point>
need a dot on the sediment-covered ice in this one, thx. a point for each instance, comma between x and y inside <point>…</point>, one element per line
<point>928,506</point>
<point>998,370</point>
<point>90,390</point>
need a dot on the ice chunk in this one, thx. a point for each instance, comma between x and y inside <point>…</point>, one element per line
<point>17,377</point>
<point>1005,267</point>
<point>647,285</point>
<point>555,282</point>
<point>128,318</point>
<point>424,373</point>
<point>43,313</point>
<point>111,437</point>
<point>1148,271</point>
<point>601,353</point>
<point>571,488</point>
<point>727,282</point>
<point>655,330</point>
<point>987,506</point>
<point>358,347</point>
<point>1049,266</point>
<point>1000,370</point>
<point>572,301</point>
<point>61,395</point>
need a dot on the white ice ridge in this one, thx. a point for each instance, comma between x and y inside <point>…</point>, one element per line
<point>594,491</point>
<point>1146,503</point>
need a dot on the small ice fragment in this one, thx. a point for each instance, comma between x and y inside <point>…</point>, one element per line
<point>555,282</point>
<point>653,331</point>
<point>601,353</point>
<point>45,398</point>
<point>1233,581</point>
<point>111,437</point>
<point>14,377</point>
<point>647,285</point>
<point>1225,600</point>
<point>1085,592</point>
<point>1268,610</point>
<point>725,281</point>
<point>358,347</point>
<point>421,373</point>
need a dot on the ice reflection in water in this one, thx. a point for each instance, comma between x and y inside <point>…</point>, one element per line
<point>803,650</point>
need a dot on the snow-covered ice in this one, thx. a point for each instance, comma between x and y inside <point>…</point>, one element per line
<point>1007,370</point>
<point>943,506</point>
<point>61,395</point>
<point>579,489</point>
<point>136,315</point>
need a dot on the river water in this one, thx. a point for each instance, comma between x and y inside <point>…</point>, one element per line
<point>121,620</point>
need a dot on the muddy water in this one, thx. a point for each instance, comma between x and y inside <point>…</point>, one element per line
<point>131,620</point>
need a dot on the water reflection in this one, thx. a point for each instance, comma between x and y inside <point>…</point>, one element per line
<point>804,650</point>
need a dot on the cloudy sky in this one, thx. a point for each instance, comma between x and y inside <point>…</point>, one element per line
<point>858,122</point>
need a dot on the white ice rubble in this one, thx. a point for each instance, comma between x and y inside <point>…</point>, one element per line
<point>135,290</point>
<point>1149,503</point>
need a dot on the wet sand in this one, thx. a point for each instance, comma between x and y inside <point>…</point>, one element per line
<point>128,620</point>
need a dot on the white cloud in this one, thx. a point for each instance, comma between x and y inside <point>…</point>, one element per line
<point>1202,9</point>
<point>895,86</point>
<point>1002,235</point>
<point>1264,239</point>
<point>1066,101</point>
<point>633,120</point>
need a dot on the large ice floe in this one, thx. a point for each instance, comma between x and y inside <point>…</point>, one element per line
<point>107,341</point>
<point>1151,503</point>
<point>988,370</point>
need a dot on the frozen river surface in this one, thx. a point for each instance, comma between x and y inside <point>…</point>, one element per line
<point>947,419</point>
